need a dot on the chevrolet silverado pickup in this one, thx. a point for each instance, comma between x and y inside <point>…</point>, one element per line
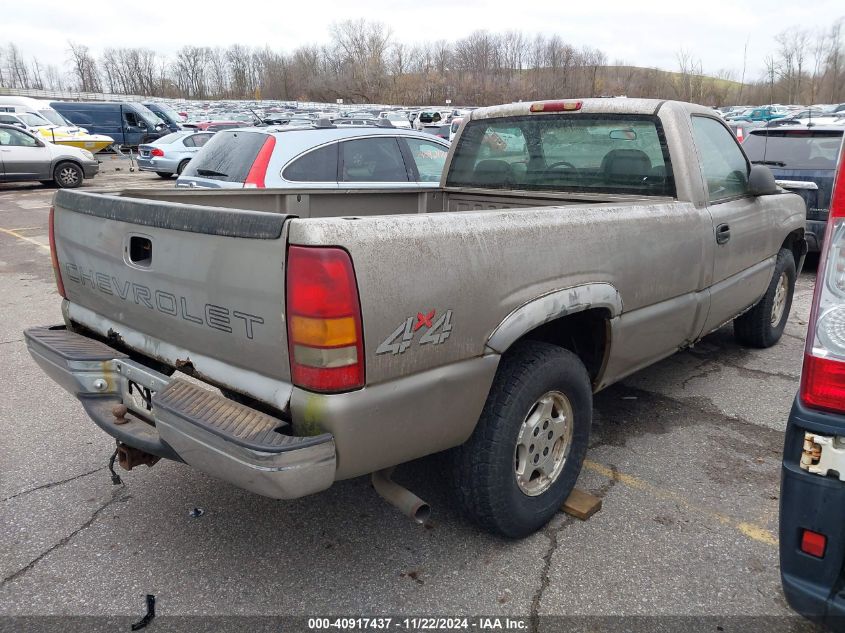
<point>281,340</point>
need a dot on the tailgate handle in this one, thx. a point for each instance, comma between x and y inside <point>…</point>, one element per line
<point>140,250</point>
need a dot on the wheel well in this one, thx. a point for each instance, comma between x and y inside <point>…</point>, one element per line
<point>796,243</point>
<point>66,160</point>
<point>586,334</point>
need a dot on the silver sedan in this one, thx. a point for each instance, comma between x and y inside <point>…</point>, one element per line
<point>169,155</point>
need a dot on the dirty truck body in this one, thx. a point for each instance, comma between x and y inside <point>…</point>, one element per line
<point>409,308</point>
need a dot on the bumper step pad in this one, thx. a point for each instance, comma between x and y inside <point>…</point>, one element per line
<point>226,418</point>
<point>71,346</point>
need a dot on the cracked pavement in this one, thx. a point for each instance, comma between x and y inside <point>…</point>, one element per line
<point>685,456</point>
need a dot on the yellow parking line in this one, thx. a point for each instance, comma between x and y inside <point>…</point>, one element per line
<point>24,238</point>
<point>750,530</point>
<point>27,228</point>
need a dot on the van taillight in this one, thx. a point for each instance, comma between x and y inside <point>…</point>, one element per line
<point>54,256</point>
<point>823,376</point>
<point>258,171</point>
<point>325,338</point>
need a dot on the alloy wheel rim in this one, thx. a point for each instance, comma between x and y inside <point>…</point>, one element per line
<point>779,304</point>
<point>543,443</point>
<point>68,176</point>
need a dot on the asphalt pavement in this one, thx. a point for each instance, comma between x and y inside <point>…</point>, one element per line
<point>685,455</point>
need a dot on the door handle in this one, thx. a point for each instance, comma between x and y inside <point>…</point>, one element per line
<point>723,234</point>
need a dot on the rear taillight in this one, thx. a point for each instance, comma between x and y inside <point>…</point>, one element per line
<point>258,171</point>
<point>823,376</point>
<point>740,134</point>
<point>156,151</point>
<point>54,256</point>
<point>325,338</point>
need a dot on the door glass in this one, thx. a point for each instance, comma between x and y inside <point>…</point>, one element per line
<point>16,139</point>
<point>372,160</point>
<point>429,158</point>
<point>723,164</point>
<point>319,165</point>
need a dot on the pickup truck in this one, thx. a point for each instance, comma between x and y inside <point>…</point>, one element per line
<point>284,340</point>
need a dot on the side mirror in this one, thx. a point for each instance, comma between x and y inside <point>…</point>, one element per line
<point>761,182</point>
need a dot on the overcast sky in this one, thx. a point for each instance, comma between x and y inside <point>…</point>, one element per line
<point>639,32</point>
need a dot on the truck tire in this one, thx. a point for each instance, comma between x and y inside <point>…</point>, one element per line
<point>522,460</point>
<point>762,326</point>
<point>68,175</point>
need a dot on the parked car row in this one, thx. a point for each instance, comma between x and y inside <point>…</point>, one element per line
<point>773,115</point>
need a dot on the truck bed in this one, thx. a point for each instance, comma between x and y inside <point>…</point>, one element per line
<point>322,203</point>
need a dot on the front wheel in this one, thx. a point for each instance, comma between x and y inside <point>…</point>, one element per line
<point>763,325</point>
<point>164,174</point>
<point>522,461</point>
<point>67,175</point>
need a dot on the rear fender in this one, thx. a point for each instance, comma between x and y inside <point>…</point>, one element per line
<point>551,306</point>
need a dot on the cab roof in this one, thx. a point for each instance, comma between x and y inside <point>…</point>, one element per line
<point>615,105</point>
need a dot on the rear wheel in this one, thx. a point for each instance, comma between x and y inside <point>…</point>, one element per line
<point>68,175</point>
<point>181,167</point>
<point>523,459</point>
<point>763,325</point>
<point>164,174</point>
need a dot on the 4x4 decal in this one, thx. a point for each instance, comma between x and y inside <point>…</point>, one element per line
<point>435,332</point>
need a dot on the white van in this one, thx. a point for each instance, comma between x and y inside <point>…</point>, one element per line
<point>42,108</point>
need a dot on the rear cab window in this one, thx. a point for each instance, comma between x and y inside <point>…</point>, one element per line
<point>228,156</point>
<point>591,153</point>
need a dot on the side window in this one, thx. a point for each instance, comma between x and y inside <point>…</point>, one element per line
<point>723,164</point>
<point>8,118</point>
<point>14,138</point>
<point>189,141</point>
<point>429,158</point>
<point>372,160</point>
<point>131,119</point>
<point>75,116</point>
<point>107,116</point>
<point>200,139</point>
<point>319,165</point>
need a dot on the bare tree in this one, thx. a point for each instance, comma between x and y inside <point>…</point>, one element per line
<point>84,67</point>
<point>17,72</point>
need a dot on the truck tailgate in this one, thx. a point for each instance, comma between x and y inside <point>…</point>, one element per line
<point>172,280</point>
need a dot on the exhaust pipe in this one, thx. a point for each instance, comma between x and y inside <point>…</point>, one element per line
<point>406,501</point>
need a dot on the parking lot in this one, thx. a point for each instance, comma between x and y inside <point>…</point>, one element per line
<point>685,455</point>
